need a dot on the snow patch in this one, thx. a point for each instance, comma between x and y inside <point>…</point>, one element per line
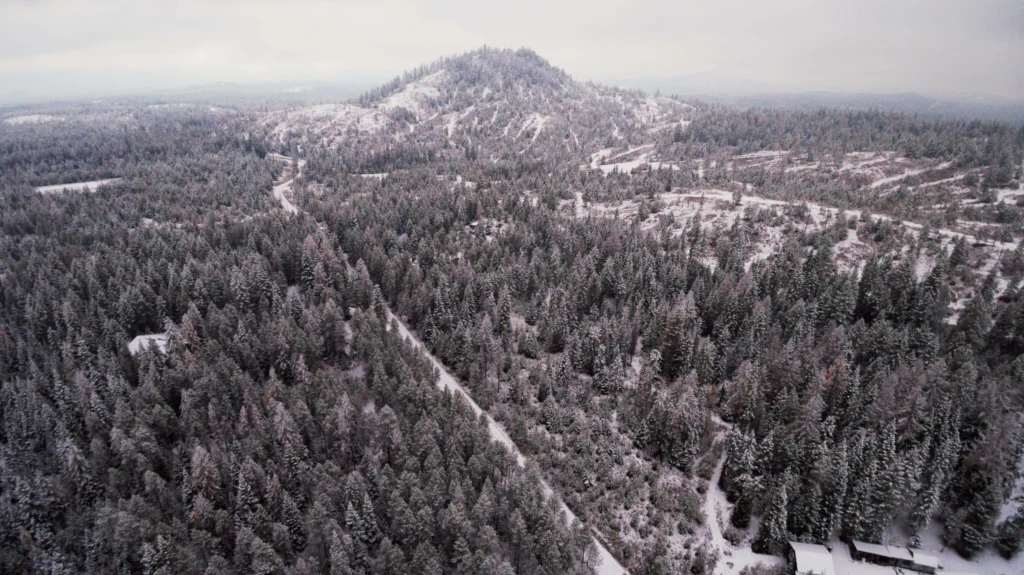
<point>76,187</point>
<point>906,174</point>
<point>416,96</point>
<point>31,119</point>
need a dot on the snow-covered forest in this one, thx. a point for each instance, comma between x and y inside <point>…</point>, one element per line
<point>705,331</point>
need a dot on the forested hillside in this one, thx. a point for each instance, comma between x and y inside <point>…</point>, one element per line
<point>710,331</point>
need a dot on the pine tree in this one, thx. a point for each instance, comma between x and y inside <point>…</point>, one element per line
<point>338,557</point>
<point>504,311</point>
<point>972,527</point>
<point>1010,534</point>
<point>741,484</point>
<point>772,535</point>
<point>425,560</point>
<point>833,495</point>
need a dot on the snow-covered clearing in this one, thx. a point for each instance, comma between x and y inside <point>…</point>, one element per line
<point>415,95</point>
<point>76,187</point>
<point>31,119</point>
<point>641,155</point>
<point>763,253</point>
<point>955,178</point>
<point>761,154</point>
<point>536,123</point>
<point>861,162</point>
<point>597,157</point>
<point>906,174</point>
<point>631,151</point>
<point>802,167</point>
<point>625,167</point>
<point>156,341</point>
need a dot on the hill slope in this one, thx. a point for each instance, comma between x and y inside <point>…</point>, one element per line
<point>495,104</point>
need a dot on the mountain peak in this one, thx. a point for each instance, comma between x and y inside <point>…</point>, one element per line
<point>503,103</point>
<point>485,65</point>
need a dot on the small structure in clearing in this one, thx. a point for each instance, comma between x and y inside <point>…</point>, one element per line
<point>156,341</point>
<point>812,559</point>
<point>892,556</point>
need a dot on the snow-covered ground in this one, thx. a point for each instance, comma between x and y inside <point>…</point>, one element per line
<point>415,95</point>
<point>906,174</point>
<point>286,186</point>
<point>76,187</point>
<point>536,123</point>
<point>597,157</point>
<point>717,210</point>
<point>31,119</point>
<point>761,154</point>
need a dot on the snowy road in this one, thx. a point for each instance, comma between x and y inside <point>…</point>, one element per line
<point>607,565</point>
<point>286,186</point>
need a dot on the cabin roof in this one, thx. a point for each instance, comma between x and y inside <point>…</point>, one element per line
<point>811,558</point>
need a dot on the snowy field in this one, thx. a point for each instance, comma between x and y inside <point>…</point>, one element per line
<point>31,119</point>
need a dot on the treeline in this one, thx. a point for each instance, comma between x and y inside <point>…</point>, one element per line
<point>101,143</point>
<point>834,133</point>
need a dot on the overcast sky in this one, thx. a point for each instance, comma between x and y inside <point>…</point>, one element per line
<point>935,47</point>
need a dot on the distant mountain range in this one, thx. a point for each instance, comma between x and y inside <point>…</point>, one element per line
<point>745,93</point>
<point>18,89</point>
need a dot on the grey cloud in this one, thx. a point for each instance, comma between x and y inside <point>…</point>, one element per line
<point>928,46</point>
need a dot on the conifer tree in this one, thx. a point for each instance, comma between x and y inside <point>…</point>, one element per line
<point>772,535</point>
